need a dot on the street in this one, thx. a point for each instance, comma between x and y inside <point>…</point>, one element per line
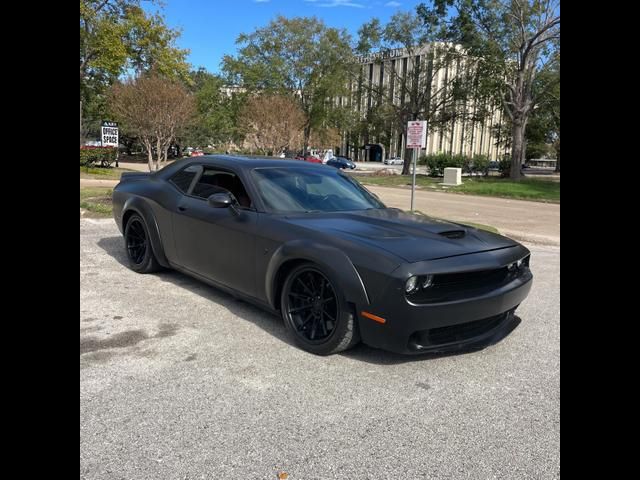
<point>180,381</point>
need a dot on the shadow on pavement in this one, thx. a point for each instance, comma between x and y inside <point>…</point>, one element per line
<point>272,324</point>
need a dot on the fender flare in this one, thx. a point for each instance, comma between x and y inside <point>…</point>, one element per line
<point>333,261</point>
<point>139,206</point>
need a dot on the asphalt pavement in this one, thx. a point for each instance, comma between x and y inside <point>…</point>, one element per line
<point>181,381</point>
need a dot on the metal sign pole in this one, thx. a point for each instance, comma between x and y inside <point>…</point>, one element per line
<point>413,182</point>
<point>416,139</point>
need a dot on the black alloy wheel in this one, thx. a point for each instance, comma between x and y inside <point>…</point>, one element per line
<point>138,244</point>
<point>316,313</point>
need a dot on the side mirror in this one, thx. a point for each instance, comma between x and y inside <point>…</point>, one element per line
<point>220,200</point>
<point>223,200</point>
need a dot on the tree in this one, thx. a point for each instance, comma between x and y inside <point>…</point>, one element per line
<point>543,128</point>
<point>116,37</point>
<point>272,123</point>
<point>217,109</point>
<point>517,40</point>
<point>154,109</point>
<point>542,134</point>
<point>413,92</point>
<point>300,57</point>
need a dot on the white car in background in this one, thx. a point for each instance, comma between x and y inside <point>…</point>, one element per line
<point>394,161</point>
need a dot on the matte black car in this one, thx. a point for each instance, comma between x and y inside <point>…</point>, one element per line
<point>313,244</point>
<point>341,162</point>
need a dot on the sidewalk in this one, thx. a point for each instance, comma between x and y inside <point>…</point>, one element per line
<point>91,182</point>
<point>140,167</point>
<point>532,222</point>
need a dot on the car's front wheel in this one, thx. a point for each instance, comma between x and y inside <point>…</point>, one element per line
<point>316,313</point>
<point>139,251</point>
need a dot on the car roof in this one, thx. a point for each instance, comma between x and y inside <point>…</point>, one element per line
<point>238,161</point>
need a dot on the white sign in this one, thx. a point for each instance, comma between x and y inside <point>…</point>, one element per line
<point>109,134</point>
<point>417,134</point>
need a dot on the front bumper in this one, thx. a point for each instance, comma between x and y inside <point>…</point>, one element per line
<point>465,323</point>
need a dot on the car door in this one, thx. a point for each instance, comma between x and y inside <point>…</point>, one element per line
<point>217,243</point>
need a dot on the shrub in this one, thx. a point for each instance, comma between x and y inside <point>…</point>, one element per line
<point>459,161</point>
<point>97,155</point>
<point>480,164</point>
<point>437,162</point>
<point>504,166</point>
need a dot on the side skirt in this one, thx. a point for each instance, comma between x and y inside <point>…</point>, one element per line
<point>234,293</point>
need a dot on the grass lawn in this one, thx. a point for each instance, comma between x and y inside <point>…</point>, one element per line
<point>102,173</point>
<point>96,200</point>
<point>526,189</point>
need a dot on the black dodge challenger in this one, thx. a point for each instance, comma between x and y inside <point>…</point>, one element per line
<point>310,242</point>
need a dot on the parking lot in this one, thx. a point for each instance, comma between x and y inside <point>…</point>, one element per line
<point>181,381</point>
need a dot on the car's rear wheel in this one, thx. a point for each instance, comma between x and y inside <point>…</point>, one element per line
<point>316,313</point>
<point>138,244</point>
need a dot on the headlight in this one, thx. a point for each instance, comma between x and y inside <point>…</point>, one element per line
<point>411,284</point>
<point>416,282</point>
<point>523,262</point>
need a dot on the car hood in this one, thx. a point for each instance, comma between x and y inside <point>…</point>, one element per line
<point>410,237</point>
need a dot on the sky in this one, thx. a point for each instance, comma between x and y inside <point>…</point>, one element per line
<point>210,27</point>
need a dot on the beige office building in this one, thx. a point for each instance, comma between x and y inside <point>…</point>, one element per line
<point>461,136</point>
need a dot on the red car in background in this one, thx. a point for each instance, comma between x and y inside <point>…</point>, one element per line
<point>309,158</point>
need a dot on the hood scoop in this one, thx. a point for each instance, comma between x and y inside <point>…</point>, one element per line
<point>453,233</point>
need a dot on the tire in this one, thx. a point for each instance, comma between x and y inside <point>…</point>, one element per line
<point>322,326</point>
<point>138,245</point>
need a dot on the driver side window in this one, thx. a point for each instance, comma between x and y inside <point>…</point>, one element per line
<point>215,181</point>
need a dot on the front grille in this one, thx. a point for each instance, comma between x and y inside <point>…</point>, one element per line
<point>447,287</point>
<point>471,278</point>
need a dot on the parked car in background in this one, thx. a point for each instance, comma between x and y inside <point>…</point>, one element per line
<point>393,161</point>
<point>197,153</point>
<point>493,165</point>
<point>341,162</point>
<point>309,158</point>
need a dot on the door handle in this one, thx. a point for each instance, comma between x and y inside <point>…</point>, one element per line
<point>182,208</point>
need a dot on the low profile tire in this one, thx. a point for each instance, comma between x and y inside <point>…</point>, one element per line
<point>316,313</point>
<point>138,245</point>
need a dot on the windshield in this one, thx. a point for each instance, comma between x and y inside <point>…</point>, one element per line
<point>311,190</point>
